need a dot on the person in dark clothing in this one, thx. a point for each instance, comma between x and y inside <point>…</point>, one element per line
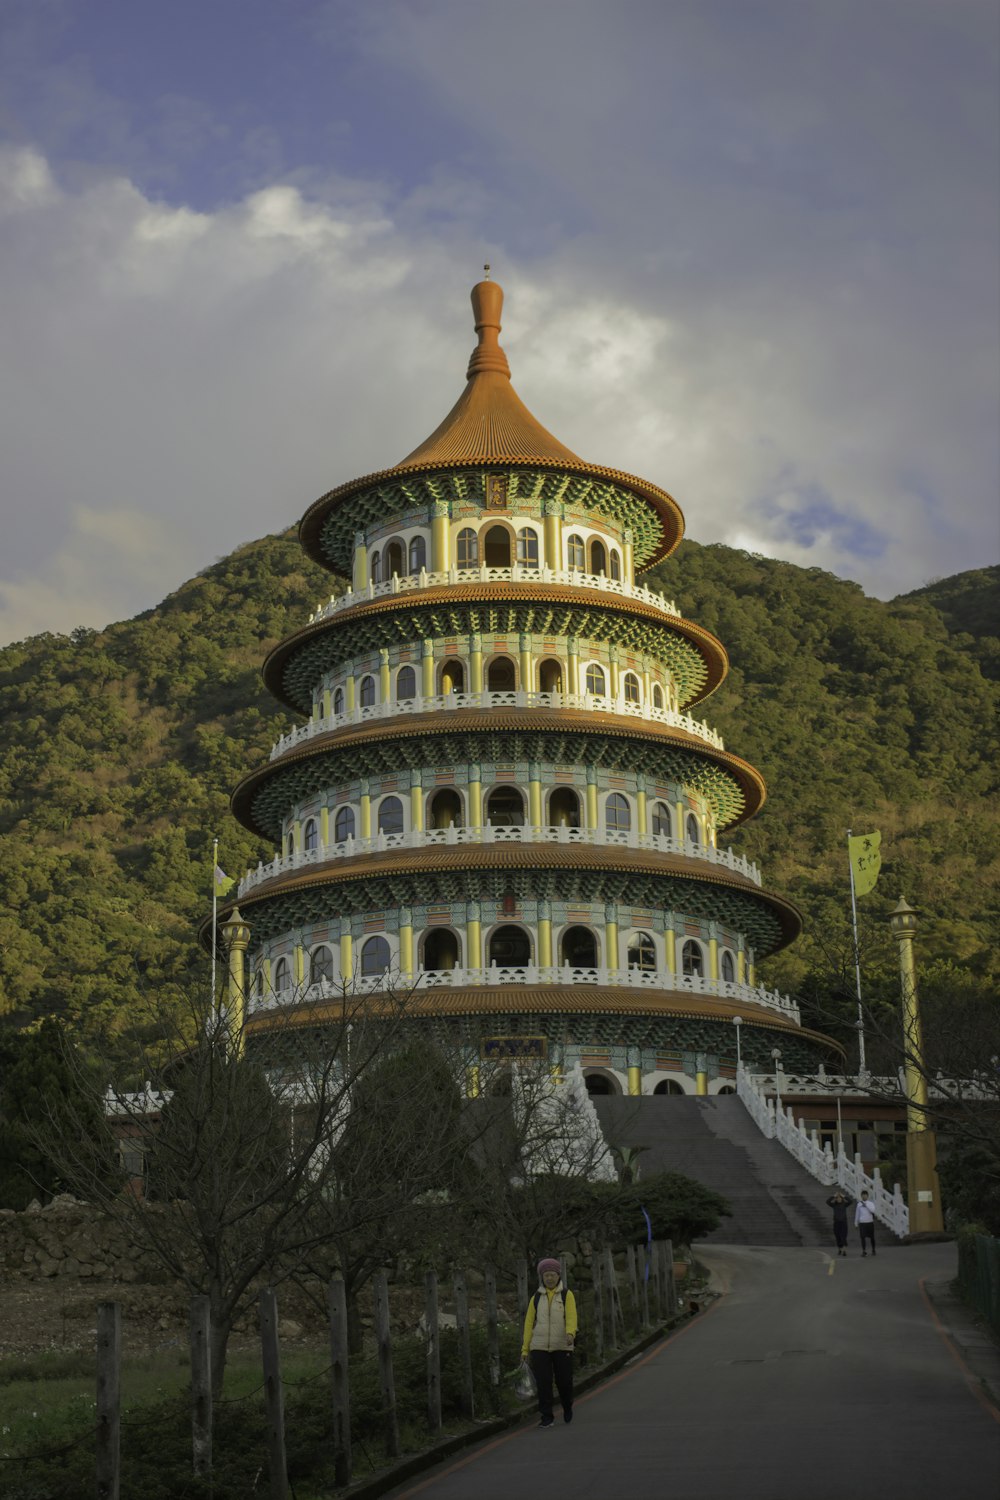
<point>840,1203</point>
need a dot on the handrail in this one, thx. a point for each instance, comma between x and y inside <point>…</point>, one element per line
<point>455,837</point>
<point>457,702</point>
<point>819,1161</point>
<point>414,582</point>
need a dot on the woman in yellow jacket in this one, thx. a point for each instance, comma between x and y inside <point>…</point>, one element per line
<point>549,1336</point>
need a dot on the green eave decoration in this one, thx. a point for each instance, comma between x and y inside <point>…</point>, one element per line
<point>751,912</point>
<point>392,499</point>
<point>312,772</point>
<point>325,646</point>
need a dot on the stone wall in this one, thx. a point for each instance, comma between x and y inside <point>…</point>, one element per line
<point>70,1239</point>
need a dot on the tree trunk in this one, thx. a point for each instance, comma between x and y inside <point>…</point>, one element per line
<point>222,1327</point>
<point>355,1337</point>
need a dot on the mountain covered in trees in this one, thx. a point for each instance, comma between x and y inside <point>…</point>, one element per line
<point>119,749</point>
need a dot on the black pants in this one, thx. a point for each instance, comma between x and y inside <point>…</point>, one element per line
<point>543,1366</point>
<point>867,1233</point>
<point>840,1233</point>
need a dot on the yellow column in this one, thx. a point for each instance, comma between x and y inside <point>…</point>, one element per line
<point>475,798</point>
<point>346,957</point>
<point>416,803</point>
<point>591,802</point>
<point>350,698</point>
<point>366,811</point>
<point>236,937</point>
<point>299,964</point>
<point>634,1082</point>
<point>741,966</point>
<point>611,935</point>
<point>297,835</point>
<point>640,810</point>
<point>553,539</point>
<point>647,688</point>
<point>681,811</point>
<point>573,667</point>
<point>472,1082</point>
<point>544,935</point>
<point>427,669</point>
<point>473,937</point>
<point>751,973</point>
<point>615,678</point>
<point>324,826</point>
<point>701,1081</point>
<point>628,557</point>
<point>713,958</point>
<point>406,942</point>
<point>670,941</point>
<point>383,676</point>
<point>359,578</point>
<point>535,796</point>
<point>475,663</point>
<point>327,708</point>
<point>440,559</point>
<point>524,661</point>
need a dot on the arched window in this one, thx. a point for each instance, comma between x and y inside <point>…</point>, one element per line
<point>290,841</point>
<point>366,697</point>
<point>630,687</point>
<point>642,952</point>
<point>310,836</point>
<point>596,681</point>
<point>510,948</point>
<point>418,554</point>
<point>576,555</point>
<point>445,809</point>
<point>468,548</point>
<point>505,807</point>
<point>258,983</point>
<point>496,547</point>
<point>375,957</point>
<point>527,547</point>
<point>501,675</point>
<point>598,557</point>
<point>691,832</point>
<point>390,815</point>
<point>321,965</point>
<point>564,808</point>
<point>343,824</point>
<point>659,818</point>
<point>338,701</point>
<point>616,566</point>
<point>550,676</point>
<point>578,948</point>
<point>693,960</point>
<point>668,1086</point>
<point>282,976</point>
<point>376,568</point>
<point>441,949</point>
<point>452,677</point>
<point>728,968</point>
<point>617,815</point>
<point>393,559</point>
<point>657,695</point>
<point>406,684</point>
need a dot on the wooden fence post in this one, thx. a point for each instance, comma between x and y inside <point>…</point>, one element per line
<point>644,1286</point>
<point>492,1328</point>
<point>274,1398</point>
<point>656,1269</point>
<point>668,1277</point>
<point>462,1322</point>
<point>433,1352</point>
<point>595,1276</point>
<point>109,1356</point>
<point>201,1385</point>
<point>340,1388</point>
<point>611,1300</point>
<point>633,1287</point>
<point>383,1336</point>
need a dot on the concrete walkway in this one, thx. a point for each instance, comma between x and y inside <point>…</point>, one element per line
<point>813,1378</point>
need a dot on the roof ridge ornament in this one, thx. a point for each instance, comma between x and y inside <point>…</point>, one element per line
<point>487,305</point>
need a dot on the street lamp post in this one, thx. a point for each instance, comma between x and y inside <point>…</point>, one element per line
<point>776,1059</point>
<point>921,1145</point>
<point>738,1022</point>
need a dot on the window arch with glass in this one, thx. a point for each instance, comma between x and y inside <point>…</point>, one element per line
<point>693,960</point>
<point>576,553</point>
<point>310,836</point>
<point>321,965</point>
<point>343,824</point>
<point>406,684</point>
<point>467,548</point>
<point>282,976</point>
<point>691,830</point>
<point>418,554</point>
<point>376,568</point>
<point>366,697</point>
<point>630,687</point>
<point>728,968</point>
<point>338,701</point>
<point>616,566</point>
<point>390,815</point>
<point>617,814</point>
<point>527,547</point>
<point>596,681</point>
<point>659,819</point>
<point>657,695</point>
<point>376,956</point>
<point>642,952</point>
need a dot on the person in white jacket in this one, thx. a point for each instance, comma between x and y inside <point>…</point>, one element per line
<point>864,1218</point>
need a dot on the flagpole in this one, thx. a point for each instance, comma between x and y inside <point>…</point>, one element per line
<point>215,907</point>
<point>862,1068</point>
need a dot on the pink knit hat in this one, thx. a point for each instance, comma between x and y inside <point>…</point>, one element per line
<point>548,1265</point>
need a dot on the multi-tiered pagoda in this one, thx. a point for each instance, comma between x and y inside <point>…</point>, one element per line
<point>499,801</point>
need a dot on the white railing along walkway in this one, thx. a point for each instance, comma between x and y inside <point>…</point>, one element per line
<point>819,1161</point>
<point>456,702</point>
<point>437,838</point>
<point>530,974</point>
<point>414,582</point>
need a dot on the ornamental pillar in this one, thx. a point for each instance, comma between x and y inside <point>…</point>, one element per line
<point>713,952</point>
<point>416,801</point>
<point>475,797</point>
<point>406,943</point>
<point>680,813</point>
<point>524,662</point>
<point>535,795</point>
<point>475,663</point>
<point>427,669</point>
<point>324,826</point>
<point>472,1085</point>
<point>611,934</point>
<point>440,559</point>
<point>236,938</point>
<point>553,534</point>
<point>701,1074</point>
<point>670,943</point>
<point>473,936</point>
<point>327,708</point>
<point>350,696</point>
<point>741,962</point>
<point>634,1081</point>
<point>359,576</point>
<point>383,676</point>
<point>366,809</point>
<point>299,965</point>
<point>592,797</point>
<point>628,559</point>
<point>573,665</point>
<point>544,935</point>
<point>614,673</point>
<point>346,954</point>
<point>640,804</point>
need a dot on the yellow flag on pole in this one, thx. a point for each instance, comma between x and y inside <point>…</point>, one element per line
<point>865,853</point>
<point>223,882</point>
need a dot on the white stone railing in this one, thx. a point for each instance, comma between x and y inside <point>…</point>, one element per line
<point>413,582</point>
<point>534,974</point>
<point>457,702</point>
<point>438,838</point>
<point>819,1161</point>
<point>890,1087</point>
<point>148,1101</point>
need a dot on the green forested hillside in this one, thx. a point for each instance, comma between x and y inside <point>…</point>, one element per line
<point>118,751</point>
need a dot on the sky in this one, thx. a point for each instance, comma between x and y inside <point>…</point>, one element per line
<point>750,252</point>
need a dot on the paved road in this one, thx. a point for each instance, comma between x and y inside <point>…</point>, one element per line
<point>811,1379</point>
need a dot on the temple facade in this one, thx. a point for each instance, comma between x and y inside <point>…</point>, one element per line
<point>500,801</point>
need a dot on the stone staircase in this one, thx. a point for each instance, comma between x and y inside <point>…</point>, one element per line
<point>773,1199</point>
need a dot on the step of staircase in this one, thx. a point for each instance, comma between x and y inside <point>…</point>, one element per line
<point>713,1140</point>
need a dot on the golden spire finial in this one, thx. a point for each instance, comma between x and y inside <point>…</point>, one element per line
<point>486,270</point>
<point>487,303</point>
